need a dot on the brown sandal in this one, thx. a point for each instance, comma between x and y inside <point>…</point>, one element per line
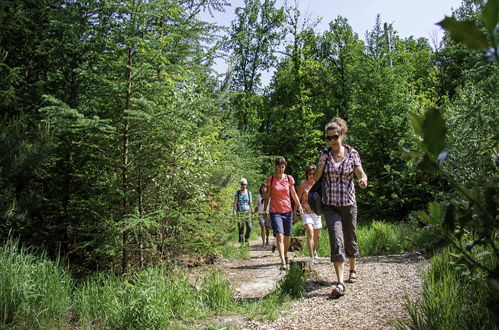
<point>338,291</point>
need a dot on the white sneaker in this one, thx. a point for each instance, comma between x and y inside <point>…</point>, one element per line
<point>316,256</point>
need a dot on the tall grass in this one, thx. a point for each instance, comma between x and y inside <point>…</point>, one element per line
<point>34,292</point>
<point>230,251</point>
<point>151,299</point>
<point>450,300</point>
<point>293,284</point>
<point>37,293</point>
<point>376,238</point>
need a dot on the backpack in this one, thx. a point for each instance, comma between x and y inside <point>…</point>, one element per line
<point>249,202</point>
<point>315,197</point>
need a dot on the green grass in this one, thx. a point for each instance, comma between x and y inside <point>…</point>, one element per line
<point>230,251</point>
<point>34,292</point>
<point>293,284</point>
<point>374,238</point>
<point>451,299</point>
<point>37,293</point>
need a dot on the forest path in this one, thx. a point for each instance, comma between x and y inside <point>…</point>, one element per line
<point>371,303</point>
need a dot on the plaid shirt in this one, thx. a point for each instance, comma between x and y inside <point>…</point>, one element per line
<point>340,189</point>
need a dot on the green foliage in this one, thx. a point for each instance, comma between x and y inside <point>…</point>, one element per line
<point>450,300</point>
<point>293,283</point>
<point>381,237</point>
<point>466,32</point>
<point>254,36</point>
<point>234,252</point>
<point>469,221</point>
<point>469,33</point>
<point>216,293</point>
<point>34,292</point>
<point>37,293</point>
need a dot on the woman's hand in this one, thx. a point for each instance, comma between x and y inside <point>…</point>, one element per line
<point>363,182</point>
<point>323,159</point>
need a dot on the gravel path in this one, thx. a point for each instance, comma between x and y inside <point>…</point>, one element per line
<point>371,303</point>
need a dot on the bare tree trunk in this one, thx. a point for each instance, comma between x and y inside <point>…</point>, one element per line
<point>126,127</point>
<point>140,235</point>
<point>387,37</point>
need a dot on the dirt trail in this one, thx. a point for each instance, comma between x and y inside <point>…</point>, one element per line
<point>371,303</point>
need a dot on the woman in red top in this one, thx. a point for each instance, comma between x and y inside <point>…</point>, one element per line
<point>280,189</point>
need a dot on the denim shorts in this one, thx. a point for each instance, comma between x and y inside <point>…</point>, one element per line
<point>281,223</point>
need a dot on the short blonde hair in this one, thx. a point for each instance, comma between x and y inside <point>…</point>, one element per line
<point>336,123</point>
<point>243,181</point>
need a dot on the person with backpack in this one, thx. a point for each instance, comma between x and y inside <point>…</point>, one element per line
<point>243,206</point>
<point>264,223</point>
<point>311,221</point>
<point>338,163</point>
<point>280,190</point>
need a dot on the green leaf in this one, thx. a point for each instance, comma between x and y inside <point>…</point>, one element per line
<point>435,211</point>
<point>490,15</point>
<point>426,164</point>
<point>434,131</point>
<point>465,32</point>
<point>417,124</point>
<point>449,222</point>
<point>425,218</point>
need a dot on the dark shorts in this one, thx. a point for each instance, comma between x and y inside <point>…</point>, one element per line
<point>281,223</point>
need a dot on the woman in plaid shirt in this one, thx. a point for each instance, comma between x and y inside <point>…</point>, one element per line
<point>337,164</point>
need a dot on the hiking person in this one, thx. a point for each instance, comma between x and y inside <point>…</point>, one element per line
<point>280,190</point>
<point>264,223</point>
<point>337,164</point>
<point>311,221</point>
<point>242,208</point>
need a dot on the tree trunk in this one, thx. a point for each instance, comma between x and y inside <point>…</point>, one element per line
<point>126,127</point>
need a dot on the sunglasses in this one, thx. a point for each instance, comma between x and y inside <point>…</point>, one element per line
<point>332,137</point>
<point>243,184</point>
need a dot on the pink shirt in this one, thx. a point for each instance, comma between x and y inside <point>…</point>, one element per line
<point>280,199</point>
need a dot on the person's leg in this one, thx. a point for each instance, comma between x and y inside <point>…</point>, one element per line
<point>287,222</point>
<point>309,230</point>
<point>310,238</point>
<point>280,247</point>
<point>335,229</point>
<point>262,232</point>
<point>317,230</point>
<point>351,261</point>
<point>267,230</point>
<point>240,227</point>
<point>248,230</point>
<point>317,236</point>
<point>278,229</point>
<point>349,224</point>
<point>338,268</point>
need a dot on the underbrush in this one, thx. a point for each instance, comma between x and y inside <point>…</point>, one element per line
<point>452,298</point>
<point>375,238</point>
<point>34,292</point>
<point>37,293</point>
